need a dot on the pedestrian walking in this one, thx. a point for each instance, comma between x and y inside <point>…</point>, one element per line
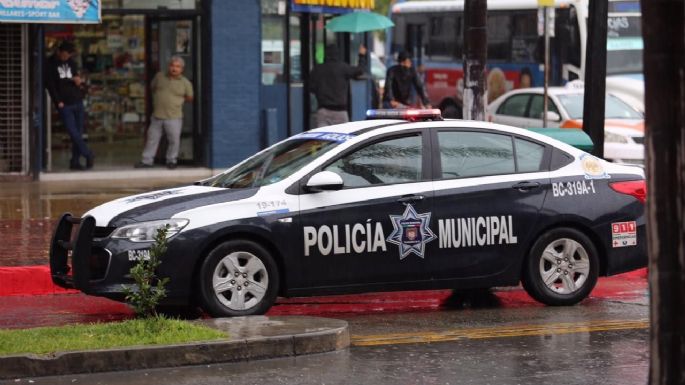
<point>399,81</point>
<point>66,89</point>
<point>169,91</point>
<point>329,82</point>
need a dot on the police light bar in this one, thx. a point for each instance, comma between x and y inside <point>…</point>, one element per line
<point>405,114</point>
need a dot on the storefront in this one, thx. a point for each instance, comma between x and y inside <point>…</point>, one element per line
<point>248,61</point>
<point>118,58</point>
<point>293,41</point>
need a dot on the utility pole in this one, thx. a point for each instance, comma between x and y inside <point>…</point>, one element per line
<point>595,74</point>
<point>475,56</point>
<point>663,29</point>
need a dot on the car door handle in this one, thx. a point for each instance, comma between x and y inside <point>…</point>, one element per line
<point>526,186</point>
<point>411,198</point>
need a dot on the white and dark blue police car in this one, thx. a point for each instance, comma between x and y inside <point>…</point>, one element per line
<point>402,203</point>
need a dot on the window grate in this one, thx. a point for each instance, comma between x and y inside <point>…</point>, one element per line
<point>12,99</point>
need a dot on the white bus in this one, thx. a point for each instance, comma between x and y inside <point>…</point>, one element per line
<point>432,32</point>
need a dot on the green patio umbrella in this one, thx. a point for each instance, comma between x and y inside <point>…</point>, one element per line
<point>356,22</point>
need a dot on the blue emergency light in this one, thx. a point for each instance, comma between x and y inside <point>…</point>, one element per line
<point>410,114</point>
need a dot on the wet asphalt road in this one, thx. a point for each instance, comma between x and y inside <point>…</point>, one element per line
<point>483,338</point>
<point>617,357</point>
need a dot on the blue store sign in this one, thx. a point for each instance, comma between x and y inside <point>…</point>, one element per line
<point>50,11</point>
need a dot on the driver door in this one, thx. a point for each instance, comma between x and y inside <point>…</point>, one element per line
<point>376,229</point>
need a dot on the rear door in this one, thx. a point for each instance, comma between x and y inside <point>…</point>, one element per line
<point>489,189</point>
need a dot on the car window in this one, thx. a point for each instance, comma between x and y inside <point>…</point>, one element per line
<point>465,154</point>
<point>529,155</point>
<point>537,107</point>
<point>397,160</point>
<point>614,108</point>
<point>514,106</point>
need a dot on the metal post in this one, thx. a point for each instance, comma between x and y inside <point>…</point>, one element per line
<point>475,56</point>
<point>595,74</point>
<point>545,103</point>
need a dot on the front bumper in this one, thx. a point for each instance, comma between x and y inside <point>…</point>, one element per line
<point>78,248</point>
<point>86,258</point>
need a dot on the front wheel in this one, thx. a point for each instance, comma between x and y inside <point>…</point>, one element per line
<point>562,267</point>
<point>238,278</point>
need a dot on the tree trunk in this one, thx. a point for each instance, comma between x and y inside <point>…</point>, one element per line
<point>475,56</point>
<point>664,36</point>
<point>595,74</point>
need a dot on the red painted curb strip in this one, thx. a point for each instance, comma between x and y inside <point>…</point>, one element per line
<point>28,280</point>
<point>36,280</point>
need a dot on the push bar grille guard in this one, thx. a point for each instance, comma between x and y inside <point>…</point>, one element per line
<point>78,276</point>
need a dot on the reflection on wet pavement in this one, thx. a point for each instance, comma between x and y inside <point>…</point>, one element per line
<point>29,211</point>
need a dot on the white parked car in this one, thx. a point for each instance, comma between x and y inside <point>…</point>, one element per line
<point>524,108</point>
<point>624,145</point>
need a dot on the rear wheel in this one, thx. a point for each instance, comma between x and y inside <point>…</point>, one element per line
<point>562,267</point>
<point>238,278</point>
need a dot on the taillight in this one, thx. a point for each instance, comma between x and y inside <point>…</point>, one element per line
<point>636,188</point>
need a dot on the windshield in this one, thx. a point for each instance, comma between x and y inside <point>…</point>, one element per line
<point>624,56</point>
<point>614,108</point>
<point>277,163</point>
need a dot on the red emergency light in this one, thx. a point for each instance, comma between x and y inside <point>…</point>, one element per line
<point>409,114</point>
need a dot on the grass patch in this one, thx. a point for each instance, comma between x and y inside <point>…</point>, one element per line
<point>149,331</point>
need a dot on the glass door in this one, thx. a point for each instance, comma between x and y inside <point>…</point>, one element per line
<point>176,37</point>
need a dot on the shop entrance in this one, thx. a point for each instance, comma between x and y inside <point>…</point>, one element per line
<point>169,37</point>
<point>118,59</point>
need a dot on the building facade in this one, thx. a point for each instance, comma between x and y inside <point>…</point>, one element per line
<point>248,61</point>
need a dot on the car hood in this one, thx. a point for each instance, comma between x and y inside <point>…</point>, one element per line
<point>162,204</point>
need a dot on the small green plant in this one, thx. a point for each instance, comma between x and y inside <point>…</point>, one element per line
<point>148,289</point>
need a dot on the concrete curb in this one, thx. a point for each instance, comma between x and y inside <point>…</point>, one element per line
<point>250,338</point>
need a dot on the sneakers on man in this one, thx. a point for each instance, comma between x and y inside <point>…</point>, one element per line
<point>142,165</point>
<point>76,167</point>
<point>171,166</point>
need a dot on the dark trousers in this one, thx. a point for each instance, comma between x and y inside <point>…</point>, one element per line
<point>72,116</point>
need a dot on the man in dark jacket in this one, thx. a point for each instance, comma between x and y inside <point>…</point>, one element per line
<point>65,87</point>
<point>398,83</point>
<point>330,84</point>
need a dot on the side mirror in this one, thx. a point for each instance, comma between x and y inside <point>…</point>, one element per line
<point>324,181</point>
<point>553,116</point>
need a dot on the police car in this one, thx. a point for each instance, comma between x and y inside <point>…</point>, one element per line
<point>405,201</point>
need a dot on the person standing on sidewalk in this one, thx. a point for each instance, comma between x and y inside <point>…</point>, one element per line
<point>65,87</point>
<point>330,83</point>
<point>399,82</point>
<point>169,91</point>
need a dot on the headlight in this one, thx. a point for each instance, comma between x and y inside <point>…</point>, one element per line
<point>146,231</point>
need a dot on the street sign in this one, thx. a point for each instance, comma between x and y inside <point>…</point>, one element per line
<point>51,11</point>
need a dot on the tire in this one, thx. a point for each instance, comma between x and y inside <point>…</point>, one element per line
<point>451,111</point>
<point>562,267</point>
<point>245,277</point>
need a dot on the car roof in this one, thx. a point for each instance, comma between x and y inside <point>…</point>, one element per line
<point>550,90</point>
<point>381,126</point>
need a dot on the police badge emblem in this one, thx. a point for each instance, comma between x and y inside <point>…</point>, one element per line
<point>411,232</point>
